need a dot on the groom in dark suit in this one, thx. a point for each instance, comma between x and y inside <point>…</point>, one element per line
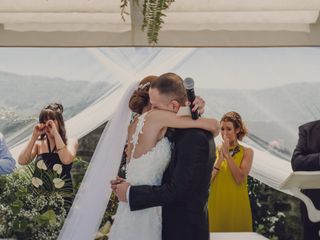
<point>184,191</point>
<point>306,157</point>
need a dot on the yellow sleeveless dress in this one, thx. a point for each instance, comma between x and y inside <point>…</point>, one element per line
<point>228,204</point>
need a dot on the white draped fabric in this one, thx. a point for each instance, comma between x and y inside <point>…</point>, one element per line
<point>102,110</point>
<point>94,193</point>
<point>270,169</point>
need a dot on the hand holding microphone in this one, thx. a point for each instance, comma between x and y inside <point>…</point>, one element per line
<point>189,85</point>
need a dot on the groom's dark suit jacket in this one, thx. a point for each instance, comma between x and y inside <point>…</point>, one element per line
<point>184,191</point>
<point>306,157</point>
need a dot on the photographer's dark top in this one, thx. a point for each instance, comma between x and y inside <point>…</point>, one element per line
<point>50,159</point>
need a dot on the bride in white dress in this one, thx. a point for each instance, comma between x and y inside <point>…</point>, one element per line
<point>148,154</point>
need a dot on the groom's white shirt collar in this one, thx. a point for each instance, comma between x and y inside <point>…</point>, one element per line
<point>184,111</point>
<point>127,194</point>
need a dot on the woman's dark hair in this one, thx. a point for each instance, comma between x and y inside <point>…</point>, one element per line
<point>237,122</point>
<point>140,97</point>
<point>53,111</point>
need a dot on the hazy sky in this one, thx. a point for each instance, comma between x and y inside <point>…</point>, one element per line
<point>213,68</point>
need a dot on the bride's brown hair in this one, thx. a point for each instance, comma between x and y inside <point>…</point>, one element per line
<point>140,97</point>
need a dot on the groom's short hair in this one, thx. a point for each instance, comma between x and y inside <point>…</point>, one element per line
<point>171,84</point>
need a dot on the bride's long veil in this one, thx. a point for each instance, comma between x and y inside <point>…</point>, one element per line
<point>92,198</point>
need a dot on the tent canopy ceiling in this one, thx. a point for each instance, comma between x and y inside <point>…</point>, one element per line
<point>215,23</point>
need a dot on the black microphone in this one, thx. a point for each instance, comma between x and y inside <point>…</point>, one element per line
<point>189,85</point>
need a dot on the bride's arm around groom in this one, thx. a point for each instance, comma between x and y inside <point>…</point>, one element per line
<point>191,161</point>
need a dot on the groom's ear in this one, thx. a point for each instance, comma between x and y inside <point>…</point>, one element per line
<point>175,105</point>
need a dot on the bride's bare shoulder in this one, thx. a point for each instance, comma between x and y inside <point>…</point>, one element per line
<point>133,124</point>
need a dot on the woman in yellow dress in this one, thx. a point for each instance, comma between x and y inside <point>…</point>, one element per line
<point>228,204</point>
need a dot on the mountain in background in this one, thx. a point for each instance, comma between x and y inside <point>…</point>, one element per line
<point>27,95</point>
<point>272,115</point>
<point>22,98</point>
<point>293,102</point>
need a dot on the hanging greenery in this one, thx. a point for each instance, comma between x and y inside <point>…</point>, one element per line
<point>152,16</point>
<point>123,8</point>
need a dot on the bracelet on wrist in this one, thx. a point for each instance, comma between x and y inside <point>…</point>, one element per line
<point>59,149</point>
<point>218,169</point>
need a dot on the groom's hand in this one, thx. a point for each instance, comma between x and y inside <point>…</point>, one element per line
<point>115,182</point>
<point>121,191</point>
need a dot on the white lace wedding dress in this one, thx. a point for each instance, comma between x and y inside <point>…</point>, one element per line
<point>146,170</point>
